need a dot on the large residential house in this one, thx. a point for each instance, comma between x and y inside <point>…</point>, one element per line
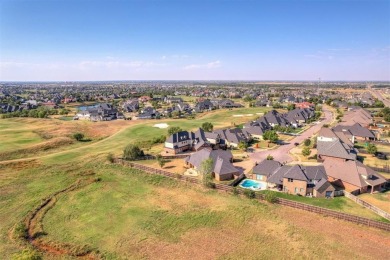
<point>294,179</point>
<point>355,132</point>
<point>265,169</point>
<point>131,106</point>
<point>232,137</point>
<point>357,115</point>
<point>299,116</point>
<point>185,141</point>
<point>148,113</point>
<point>222,168</point>
<point>101,112</point>
<point>353,176</point>
<point>225,103</point>
<point>205,105</point>
<point>274,118</point>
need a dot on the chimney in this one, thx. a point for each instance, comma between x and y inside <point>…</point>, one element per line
<point>353,139</point>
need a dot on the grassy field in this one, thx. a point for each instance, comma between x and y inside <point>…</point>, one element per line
<point>131,215</point>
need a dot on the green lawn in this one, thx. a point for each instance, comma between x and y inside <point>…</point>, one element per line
<point>16,134</point>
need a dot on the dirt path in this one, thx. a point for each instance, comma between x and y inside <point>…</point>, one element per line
<point>35,231</point>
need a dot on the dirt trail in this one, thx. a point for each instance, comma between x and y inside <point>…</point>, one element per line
<point>35,231</point>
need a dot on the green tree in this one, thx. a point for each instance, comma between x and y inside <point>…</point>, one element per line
<point>206,170</point>
<point>290,107</point>
<point>78,136</point>
<point>306,151</point>
<point>132,152</point>
<point>173,130</point>
<point>160,160</point>
<point>248,98</point>
<point>307,142</point>
<point>207,126</point>
<point>372,149</point>
<point>271,136</point>
<point>243,145</point>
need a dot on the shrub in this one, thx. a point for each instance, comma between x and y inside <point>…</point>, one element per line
<point>372,149</point>
<point>270,157</point>
<point>235,191</point>
<point>307,142</point>
<point>270,196</point>
<point>132,152</point>
<point>208,127</point>
<point>110,158</point>
<point>158,140</point>
<point>306,151</point>
<point>27,254</point>
<point>250,194</point>
<point>78,136</point>
<point>160,160</point>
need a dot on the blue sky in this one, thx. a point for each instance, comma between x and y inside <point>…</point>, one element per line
<point>184,40</point>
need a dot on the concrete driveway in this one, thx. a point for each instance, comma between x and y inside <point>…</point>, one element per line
<point>281,153</point>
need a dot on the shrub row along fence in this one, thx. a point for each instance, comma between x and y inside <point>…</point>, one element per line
<point>365,204</point>
<point>152,157</point>
<point>281,201</point>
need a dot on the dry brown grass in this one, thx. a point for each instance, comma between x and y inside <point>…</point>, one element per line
<point>380,200</point>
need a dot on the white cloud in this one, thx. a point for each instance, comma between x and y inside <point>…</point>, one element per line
<point>210,65</point>
<point>117,64</point>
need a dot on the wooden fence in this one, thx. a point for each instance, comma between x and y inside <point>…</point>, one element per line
<point>367,205</point>
<point>281,201</point>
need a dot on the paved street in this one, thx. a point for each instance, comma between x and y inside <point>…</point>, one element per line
<point>282,152</point>
<point>379,96</point>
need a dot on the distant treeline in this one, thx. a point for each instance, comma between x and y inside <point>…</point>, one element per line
<point>41,112</point>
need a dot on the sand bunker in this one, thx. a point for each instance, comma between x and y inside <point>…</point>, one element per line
<point>242,115</point>
<point>161,126</point>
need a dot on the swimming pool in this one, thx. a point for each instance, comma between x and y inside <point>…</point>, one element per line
<point>253,185</point>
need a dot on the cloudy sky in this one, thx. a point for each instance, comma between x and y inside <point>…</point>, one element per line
<point>204,40</point>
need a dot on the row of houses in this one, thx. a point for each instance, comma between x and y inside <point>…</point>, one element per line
<point>231,138</point>
<point>294,118</point>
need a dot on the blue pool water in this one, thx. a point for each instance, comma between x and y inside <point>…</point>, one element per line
<point>253,185</point>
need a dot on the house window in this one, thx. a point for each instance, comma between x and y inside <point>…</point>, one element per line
<point>290,180</point>
<point>296,190</point>
<point>259,177</point>
<point>302,190</point>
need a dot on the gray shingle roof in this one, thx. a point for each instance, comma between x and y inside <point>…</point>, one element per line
<point>334,148</point>
<point>266,167</point>
<point>221,159</point>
